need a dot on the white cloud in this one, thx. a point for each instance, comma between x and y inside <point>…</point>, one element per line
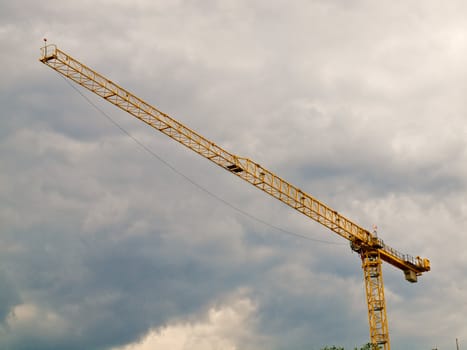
<point>224,327</point>
<point>30,318</point>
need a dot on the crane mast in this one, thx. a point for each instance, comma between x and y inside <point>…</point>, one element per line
<point>371,249</point>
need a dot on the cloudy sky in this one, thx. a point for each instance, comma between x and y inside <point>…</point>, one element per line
<point>104,246</point>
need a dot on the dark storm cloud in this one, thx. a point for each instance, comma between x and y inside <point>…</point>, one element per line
<point>9,297</point>
<point>356,102</point>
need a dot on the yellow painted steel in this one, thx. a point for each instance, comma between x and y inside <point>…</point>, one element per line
<point>372,249</point>
<point>374,289</point>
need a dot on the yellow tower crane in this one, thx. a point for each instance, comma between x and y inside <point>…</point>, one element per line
<point>371,249</point>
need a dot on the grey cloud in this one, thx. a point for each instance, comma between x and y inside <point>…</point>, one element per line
<point>355,102</point>
<point>9,297</point>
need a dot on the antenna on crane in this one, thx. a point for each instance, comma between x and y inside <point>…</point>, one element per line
<point>45,47</point>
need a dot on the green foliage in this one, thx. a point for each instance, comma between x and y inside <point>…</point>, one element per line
<point>367,346</point>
